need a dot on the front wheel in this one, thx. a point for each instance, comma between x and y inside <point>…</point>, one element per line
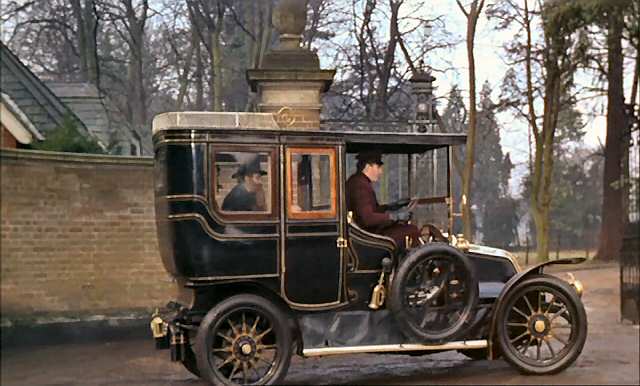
<point>434,294</point>
<point>245,339</point>
<point>542,325</point>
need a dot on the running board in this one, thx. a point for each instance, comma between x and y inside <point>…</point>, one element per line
<point>460,345</point>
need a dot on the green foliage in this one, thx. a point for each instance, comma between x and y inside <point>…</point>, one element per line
<point>67,138</point>
<point>490,188</point>
<point>577,183</point>
<point>494,210</point>
<point>577,198</point>
<point>576,187</point>
<point>562,17</point>
<point>569,129</point>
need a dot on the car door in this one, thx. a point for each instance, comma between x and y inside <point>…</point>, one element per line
<point>314,243</point>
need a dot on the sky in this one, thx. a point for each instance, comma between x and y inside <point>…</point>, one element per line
<point>490,66</point>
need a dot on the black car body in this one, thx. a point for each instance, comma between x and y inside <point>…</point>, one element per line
<point>318,271</point>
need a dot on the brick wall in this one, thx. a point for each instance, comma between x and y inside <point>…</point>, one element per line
<point>78,235</point>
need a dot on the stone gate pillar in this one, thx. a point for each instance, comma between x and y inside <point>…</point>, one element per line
<point>290,83</point>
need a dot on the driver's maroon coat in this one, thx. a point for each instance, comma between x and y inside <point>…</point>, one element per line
<point>367,213</point>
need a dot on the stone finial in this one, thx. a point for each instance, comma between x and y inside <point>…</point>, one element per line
<point>289,19</point>
<point>290,82</point>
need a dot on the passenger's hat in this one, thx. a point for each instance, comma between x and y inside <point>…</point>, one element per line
<point>371,156</point>
<point>249,168</point>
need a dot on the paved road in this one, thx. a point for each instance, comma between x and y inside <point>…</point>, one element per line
<point>610,356</point>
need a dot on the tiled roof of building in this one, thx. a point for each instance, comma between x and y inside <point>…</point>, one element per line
<point>85,101</point>
<point>44,109</point>
<point>18,124</point>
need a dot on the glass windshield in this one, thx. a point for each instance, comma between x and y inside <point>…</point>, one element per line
<point>420,176</point>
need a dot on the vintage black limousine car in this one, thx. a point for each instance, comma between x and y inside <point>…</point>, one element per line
<point>268,262</point>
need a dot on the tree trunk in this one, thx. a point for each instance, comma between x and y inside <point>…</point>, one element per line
<point>266,32</point>
<point>467,179</point>
<point>534,205</point>
<point>535,167</point>
<point>384,72</point>
<point>87,31</point>
<point>136,94</point>
<point>366,82</point>
<point>91,25</point>
<point>82,38</point>
<point>612,211</point>
<point>550,120</point>
<point>183,78</point>
<point>258,18</point>
<point>543,159</point>
<point>216,71</point>
<point>199,75</point>
<point>634,84</point>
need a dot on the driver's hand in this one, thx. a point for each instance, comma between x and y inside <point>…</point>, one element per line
<point>403,214</point>
<point>398,204</point>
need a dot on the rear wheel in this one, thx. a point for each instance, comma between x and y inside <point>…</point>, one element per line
<point>245,339</point>
<point>542,325</point>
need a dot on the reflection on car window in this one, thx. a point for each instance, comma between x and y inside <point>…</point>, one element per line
<point>243,181</point>
<point>312,185</point>
<point>311,182</point>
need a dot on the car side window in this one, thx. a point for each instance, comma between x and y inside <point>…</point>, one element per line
<point>242,182</point>
<point>311,183</point>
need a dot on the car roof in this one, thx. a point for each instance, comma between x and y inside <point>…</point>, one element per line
<point>256,124</point>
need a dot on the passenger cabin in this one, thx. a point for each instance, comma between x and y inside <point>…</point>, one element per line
<point>292,221</point>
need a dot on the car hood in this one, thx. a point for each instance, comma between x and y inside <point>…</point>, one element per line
<point>496,252</point>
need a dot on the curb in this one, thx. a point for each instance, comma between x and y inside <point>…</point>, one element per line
<point>29,335</point>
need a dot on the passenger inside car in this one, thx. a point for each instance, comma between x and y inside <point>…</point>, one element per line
<point>248,194</point>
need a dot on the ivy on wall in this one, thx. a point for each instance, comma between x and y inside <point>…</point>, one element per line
<point>67,138</point>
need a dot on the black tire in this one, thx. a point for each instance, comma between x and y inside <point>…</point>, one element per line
<point>416,273</point>
<point>244,322</point>
<point>528,314</point>
<point>190,362</point>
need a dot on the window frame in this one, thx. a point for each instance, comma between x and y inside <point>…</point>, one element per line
<point>273,213</point>
<point>324,214</point>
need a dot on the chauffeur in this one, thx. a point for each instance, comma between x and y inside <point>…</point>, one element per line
<point>361,200</point>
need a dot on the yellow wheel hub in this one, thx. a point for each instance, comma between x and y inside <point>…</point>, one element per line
<point>539,326</point>
<point>246,349</point>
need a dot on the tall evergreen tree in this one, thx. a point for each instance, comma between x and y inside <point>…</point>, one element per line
<point>495,208</point>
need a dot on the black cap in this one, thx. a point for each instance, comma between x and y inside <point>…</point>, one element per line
<point>370,157</point>
<point>249,168</point>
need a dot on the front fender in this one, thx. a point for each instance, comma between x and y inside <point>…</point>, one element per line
<point>534,270</point>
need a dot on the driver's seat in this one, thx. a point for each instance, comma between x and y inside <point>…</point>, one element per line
<point>368,249</point>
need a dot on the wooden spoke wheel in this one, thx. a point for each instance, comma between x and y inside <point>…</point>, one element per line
<point>542,325</point>
<point>434,293</point>
<point>244,340</point>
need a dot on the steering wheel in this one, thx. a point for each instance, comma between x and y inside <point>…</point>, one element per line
<point>399,204</point>
<point>431,233</point>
